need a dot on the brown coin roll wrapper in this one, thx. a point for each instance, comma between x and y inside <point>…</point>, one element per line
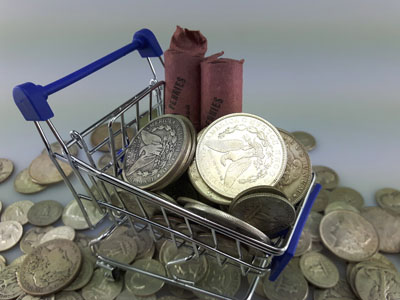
<point>182,74</point>
<point>221,87</point>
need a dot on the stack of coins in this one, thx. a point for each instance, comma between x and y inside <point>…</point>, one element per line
<point>160,153</point>
<point>234,167</point>
<point>42,172</point>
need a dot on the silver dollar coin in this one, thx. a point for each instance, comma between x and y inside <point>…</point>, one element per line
<point>156,151</point>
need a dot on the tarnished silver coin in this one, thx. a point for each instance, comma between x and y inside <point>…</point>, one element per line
<point>304,244</point>
<point>340,205</point>
<point>290,284</point>
<point>228,220</point>
<point>387,226</point>
<point>31,239</point>
<point>123,250</point>
<point>72,215</point>
<point>101,133</point>
<point>306,139</point>
<point>341,291</point>
<point>61,232</point>
<point>85,273</point>
<point>388,198</point>
<point>50,267</point>
<point>269,213</point>
<point>101,288</point>
<point>17,211</point>
<point>45,213</point>
<point>143,285</point>
<point>6,169</point>
<point>319,270</point>
<point>377,283</point>
<point>10,234</point>
<point>191,270</point>
<point>367,264</point>
<point>312,225</point>
<point>327,177</point>
<point>223,280</point>
<point>43,171</point>
<point>349,195</point>
<point>23,183</point>
<point>296,179</point>
<point>156,151</point>
<point>142,239</point>
<point>348,235</point>
<point>9,287</point>
<point>322,201</point>
<point>239,151</point>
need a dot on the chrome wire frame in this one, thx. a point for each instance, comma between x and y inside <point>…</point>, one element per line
<point>99,184</point>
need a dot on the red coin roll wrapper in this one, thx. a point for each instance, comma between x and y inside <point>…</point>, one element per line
<point>221,88</point>
<point>182,74</point>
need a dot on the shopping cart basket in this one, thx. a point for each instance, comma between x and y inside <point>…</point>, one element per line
<point>98,184</point>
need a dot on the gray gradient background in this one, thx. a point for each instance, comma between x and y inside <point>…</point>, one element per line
<point>331,68</point>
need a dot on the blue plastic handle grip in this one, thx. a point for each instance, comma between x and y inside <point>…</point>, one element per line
<point>31,99</point>
<point>279,262</point>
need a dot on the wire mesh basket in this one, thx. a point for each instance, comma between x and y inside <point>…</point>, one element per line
<point>101,185</point>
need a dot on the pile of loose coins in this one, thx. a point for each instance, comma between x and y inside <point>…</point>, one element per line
<point>240,172</point>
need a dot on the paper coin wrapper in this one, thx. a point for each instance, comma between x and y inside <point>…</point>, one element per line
<point>221,87</point>
<point>182,74</point>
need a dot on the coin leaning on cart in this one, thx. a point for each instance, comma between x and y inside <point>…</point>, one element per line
<point>43,171</point>
<point>156,151</point>
<point>267,212</point>
<point>297,177</point>
<point>101,133</point>
<point>239,151</point>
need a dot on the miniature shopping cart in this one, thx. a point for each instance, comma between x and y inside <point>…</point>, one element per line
<point>97,184</point>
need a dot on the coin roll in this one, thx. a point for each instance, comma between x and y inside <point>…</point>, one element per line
<point>221,88</point>
<point>182,74</point>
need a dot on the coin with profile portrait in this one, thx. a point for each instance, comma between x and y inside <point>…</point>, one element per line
<point>50,267</point>
<point>348,235</point>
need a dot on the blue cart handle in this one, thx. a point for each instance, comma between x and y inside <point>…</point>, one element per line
<point>31,99</point>
<point>279,262</point>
